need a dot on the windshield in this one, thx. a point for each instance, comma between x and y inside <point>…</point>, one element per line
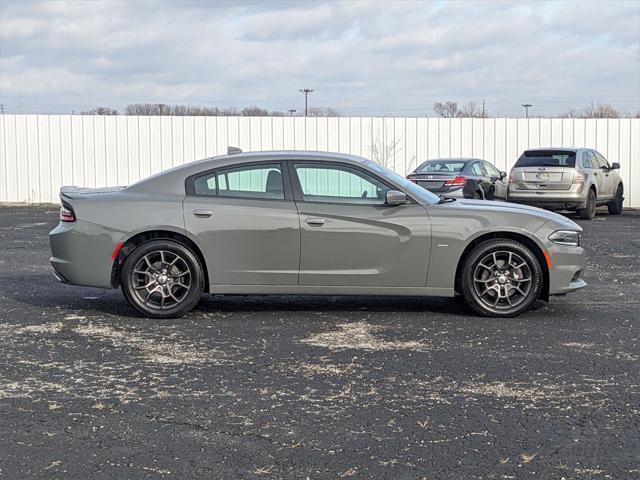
<point>408,186</point>
<point>547,158</point>
<point>441,166</point>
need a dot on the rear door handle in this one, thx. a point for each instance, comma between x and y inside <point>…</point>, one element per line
<point>314,221</point>
<point>202,213</point>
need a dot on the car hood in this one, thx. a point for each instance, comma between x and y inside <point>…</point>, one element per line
<point>544,216</point>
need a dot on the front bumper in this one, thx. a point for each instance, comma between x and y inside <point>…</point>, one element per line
<point>81,253</point>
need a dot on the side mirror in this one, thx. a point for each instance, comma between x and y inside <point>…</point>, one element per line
<point>615,166</point>
<point>503,175</point>
<point>395,198</point>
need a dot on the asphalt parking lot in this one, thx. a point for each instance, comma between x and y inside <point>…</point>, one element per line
<point>307,387</point>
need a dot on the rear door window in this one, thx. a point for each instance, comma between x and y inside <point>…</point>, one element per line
<point>587,160</point>
<point>478,170</point>
<point>547,158</point>
<point>245,181</point>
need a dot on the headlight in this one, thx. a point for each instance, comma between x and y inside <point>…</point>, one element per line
<point>565,237</point>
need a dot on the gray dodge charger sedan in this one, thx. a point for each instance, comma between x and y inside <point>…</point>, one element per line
<point>308,223</point>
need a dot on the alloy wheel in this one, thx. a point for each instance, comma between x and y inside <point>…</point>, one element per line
<point>502,279</point>
<point>161,279</point>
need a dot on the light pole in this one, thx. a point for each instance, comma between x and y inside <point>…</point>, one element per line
<point>526,108</point>
<point>291,111</point>
<point>306,92</point>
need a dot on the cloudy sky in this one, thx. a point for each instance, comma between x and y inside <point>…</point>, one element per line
<point>391,58</point>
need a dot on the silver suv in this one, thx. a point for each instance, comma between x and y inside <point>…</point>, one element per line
<point>578,179</point>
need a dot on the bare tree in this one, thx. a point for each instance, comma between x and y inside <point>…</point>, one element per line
<point>323,112</point>
<point>190,110</point>
<point>446,109</point>
<point>383,149</point>
<point>100,111</point>
<point>599,110</point>
<point>472,110</point>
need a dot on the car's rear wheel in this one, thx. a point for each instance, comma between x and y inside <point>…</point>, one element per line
<point>162,279</point>
<point>501,278</point>
<point>477,195</point>
<point>615,207</point>
<point>589,212</point>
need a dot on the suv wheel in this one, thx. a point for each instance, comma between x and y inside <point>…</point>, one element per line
<point>162,279</point>
<point>589,212</point>
<point>501,278</point>
<point>615,206</point>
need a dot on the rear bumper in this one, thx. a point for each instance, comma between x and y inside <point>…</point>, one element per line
<point>81,253</point>
<point>558,199</point>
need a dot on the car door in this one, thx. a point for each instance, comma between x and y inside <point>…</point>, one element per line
<point>480,177</point>
<point>591,162</point>
<point>498,181</point>
<point>606,176</point>
<point>349,236</point>
<point>246,223</point>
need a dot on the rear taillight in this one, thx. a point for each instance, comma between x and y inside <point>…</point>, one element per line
<point>512,177</point>
<point>456,182</point>
<point>578,177</point>
<point>66,214</point>
<point>412,179</point>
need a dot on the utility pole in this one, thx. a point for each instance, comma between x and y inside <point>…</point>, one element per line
<point>306,92</point>
<point>291,111</point>
<point>346,110</point>
<point>483,114</point>
<point>1,108</point>
<point>526,108</point>
<point>20,104</point>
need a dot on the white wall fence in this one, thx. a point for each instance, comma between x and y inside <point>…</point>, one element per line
<point>40,153</point>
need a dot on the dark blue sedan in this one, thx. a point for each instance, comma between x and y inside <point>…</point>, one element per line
<point>461,178</point>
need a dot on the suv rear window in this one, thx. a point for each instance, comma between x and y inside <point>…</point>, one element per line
<point>547,158</point>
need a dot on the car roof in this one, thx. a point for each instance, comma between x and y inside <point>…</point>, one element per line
<point>289,154</point>
<point>167,179</point>
<point>553,149</point>
<point>462,159</point>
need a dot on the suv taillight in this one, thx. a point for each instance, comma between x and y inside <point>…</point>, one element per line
<point>578,177</point>
<point>512,177</point>
<point>456,182</point>
<point>66,214</point>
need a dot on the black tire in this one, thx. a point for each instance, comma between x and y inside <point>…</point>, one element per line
<point>162,279</point>
<point>589,212</point>
<point>477,195</point>
<point>615,206</point>
<point>482,285</point>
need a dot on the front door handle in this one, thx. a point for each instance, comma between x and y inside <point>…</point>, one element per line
<point>314,221</point>
<point>202,213</point>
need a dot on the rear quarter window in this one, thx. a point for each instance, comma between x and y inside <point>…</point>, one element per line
<point>547,158</point>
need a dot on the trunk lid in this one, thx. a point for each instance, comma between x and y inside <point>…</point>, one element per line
<point>543,178</point>
<point>545,169</point>
<point>433,181</point>
<point>74,192</point>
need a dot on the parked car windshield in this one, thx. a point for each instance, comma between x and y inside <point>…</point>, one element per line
<point>407,186</point>
<point>547,158</point>
<point>442,166</point>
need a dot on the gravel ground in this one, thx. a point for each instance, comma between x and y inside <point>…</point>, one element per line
<point>308,387</point>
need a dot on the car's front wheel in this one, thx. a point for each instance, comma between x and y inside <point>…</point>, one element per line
<point>501,278</point>
<point>162,279</point>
